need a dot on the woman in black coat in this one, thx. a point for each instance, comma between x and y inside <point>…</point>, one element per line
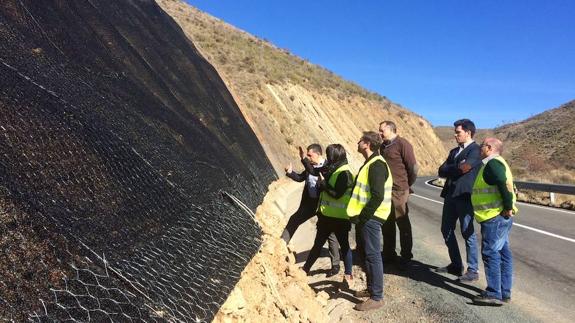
<point>336,186</point>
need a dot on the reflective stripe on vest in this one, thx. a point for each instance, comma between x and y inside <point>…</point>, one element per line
<point>361,192</point>
<point>486,199</point>
<point>330,206</point>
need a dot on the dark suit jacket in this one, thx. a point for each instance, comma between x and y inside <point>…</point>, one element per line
<point>303,177</point>
<point>457,183</point>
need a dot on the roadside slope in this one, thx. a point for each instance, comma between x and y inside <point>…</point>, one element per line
<point>291,102</point>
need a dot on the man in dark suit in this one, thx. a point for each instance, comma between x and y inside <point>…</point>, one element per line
<point>460,170</point>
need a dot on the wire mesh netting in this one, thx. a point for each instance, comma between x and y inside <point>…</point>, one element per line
<point>116,167</point>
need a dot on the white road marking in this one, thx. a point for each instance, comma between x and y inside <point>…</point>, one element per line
<point>514,223</point>
<point>426,198</point>
<point>544,232</point>
<point>549,208</point>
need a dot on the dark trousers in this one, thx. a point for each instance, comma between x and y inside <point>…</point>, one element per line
<point>370,239</point>
<point>399,216</point>
<point>327,226</point>
<point>306,211</point>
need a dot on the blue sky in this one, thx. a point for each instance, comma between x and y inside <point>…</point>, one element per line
<point>491,61</point>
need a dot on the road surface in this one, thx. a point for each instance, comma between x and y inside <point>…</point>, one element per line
<point>543,245</point>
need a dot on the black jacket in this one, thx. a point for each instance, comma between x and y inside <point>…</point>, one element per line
<point>456,183</point>
<point>301,177</point>
<point>343,181</point>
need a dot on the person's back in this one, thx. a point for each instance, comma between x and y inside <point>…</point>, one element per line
<point>399,155</point>
<point>401,161</point>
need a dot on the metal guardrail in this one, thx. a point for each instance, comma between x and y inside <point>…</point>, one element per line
<point>546,187</point>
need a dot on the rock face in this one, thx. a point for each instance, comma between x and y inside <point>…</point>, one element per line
<point>290,102</point>
<point>125,161</point>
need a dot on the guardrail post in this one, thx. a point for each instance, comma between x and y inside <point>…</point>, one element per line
<point>552,197</point>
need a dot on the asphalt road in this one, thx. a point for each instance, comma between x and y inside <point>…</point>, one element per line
<point>543,245</point>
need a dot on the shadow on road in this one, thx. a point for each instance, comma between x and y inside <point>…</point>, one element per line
<point>418,271</point>
<point>425,273</point>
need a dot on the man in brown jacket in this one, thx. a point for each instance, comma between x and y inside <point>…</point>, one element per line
<point>398,153</point>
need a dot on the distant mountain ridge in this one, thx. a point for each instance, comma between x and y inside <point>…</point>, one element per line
<point>540,148</point>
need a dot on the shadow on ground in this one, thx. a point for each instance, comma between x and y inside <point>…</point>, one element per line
<point>425,273</point>
<point>418,271</point>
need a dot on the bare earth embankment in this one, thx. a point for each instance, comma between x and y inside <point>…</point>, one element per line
<point>273,288</point>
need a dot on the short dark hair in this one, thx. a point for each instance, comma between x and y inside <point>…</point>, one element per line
<point>373,139</point>
<point>390,124</point>
<point>315,148</point>
<point>335,153</point>
<point>466,125</point>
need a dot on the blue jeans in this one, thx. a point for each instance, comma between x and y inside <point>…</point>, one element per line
<point>371,237</point>
<point>497,256</point>
<point>460,208</point>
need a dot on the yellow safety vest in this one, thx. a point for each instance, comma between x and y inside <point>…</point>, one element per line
<point>486,199</point>
<point>330,206</point>
<point>361,193</point>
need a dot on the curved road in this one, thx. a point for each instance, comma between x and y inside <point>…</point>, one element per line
<point>543,245</point>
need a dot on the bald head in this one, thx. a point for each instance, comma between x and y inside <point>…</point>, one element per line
<point>491,146</point>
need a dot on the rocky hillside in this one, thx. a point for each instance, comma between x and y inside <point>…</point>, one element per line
<point>543,144</point>
<point>540,148</point>
<point>289,101</point>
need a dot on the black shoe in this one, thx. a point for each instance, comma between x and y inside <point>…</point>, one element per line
<point>450,269</point>
<point>486,300</point>
<point>332,272</point>
<point>506,300</point>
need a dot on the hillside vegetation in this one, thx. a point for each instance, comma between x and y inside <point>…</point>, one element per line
<point>538,149</point>
<point>290,102</point>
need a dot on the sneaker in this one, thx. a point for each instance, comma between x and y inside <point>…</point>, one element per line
<point>469,277</point>
<point>506,300</point>
<point>361,293</point>
<point>487,300</point>
<point>332,272</point>
<point>449,269</point>
<point>369,305</point>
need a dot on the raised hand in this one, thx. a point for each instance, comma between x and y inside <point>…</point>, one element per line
<point>302,153</point>
<point>288,168</point>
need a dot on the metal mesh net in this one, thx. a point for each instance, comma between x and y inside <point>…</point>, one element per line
<point>118,203</point>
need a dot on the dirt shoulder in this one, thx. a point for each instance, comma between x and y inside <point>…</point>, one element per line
<point>274,288</point>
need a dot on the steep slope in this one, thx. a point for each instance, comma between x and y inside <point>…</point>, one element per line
<point>121,151</point>
<point>290,102</point>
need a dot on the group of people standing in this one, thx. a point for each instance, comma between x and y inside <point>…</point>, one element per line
<point>478,183</point>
